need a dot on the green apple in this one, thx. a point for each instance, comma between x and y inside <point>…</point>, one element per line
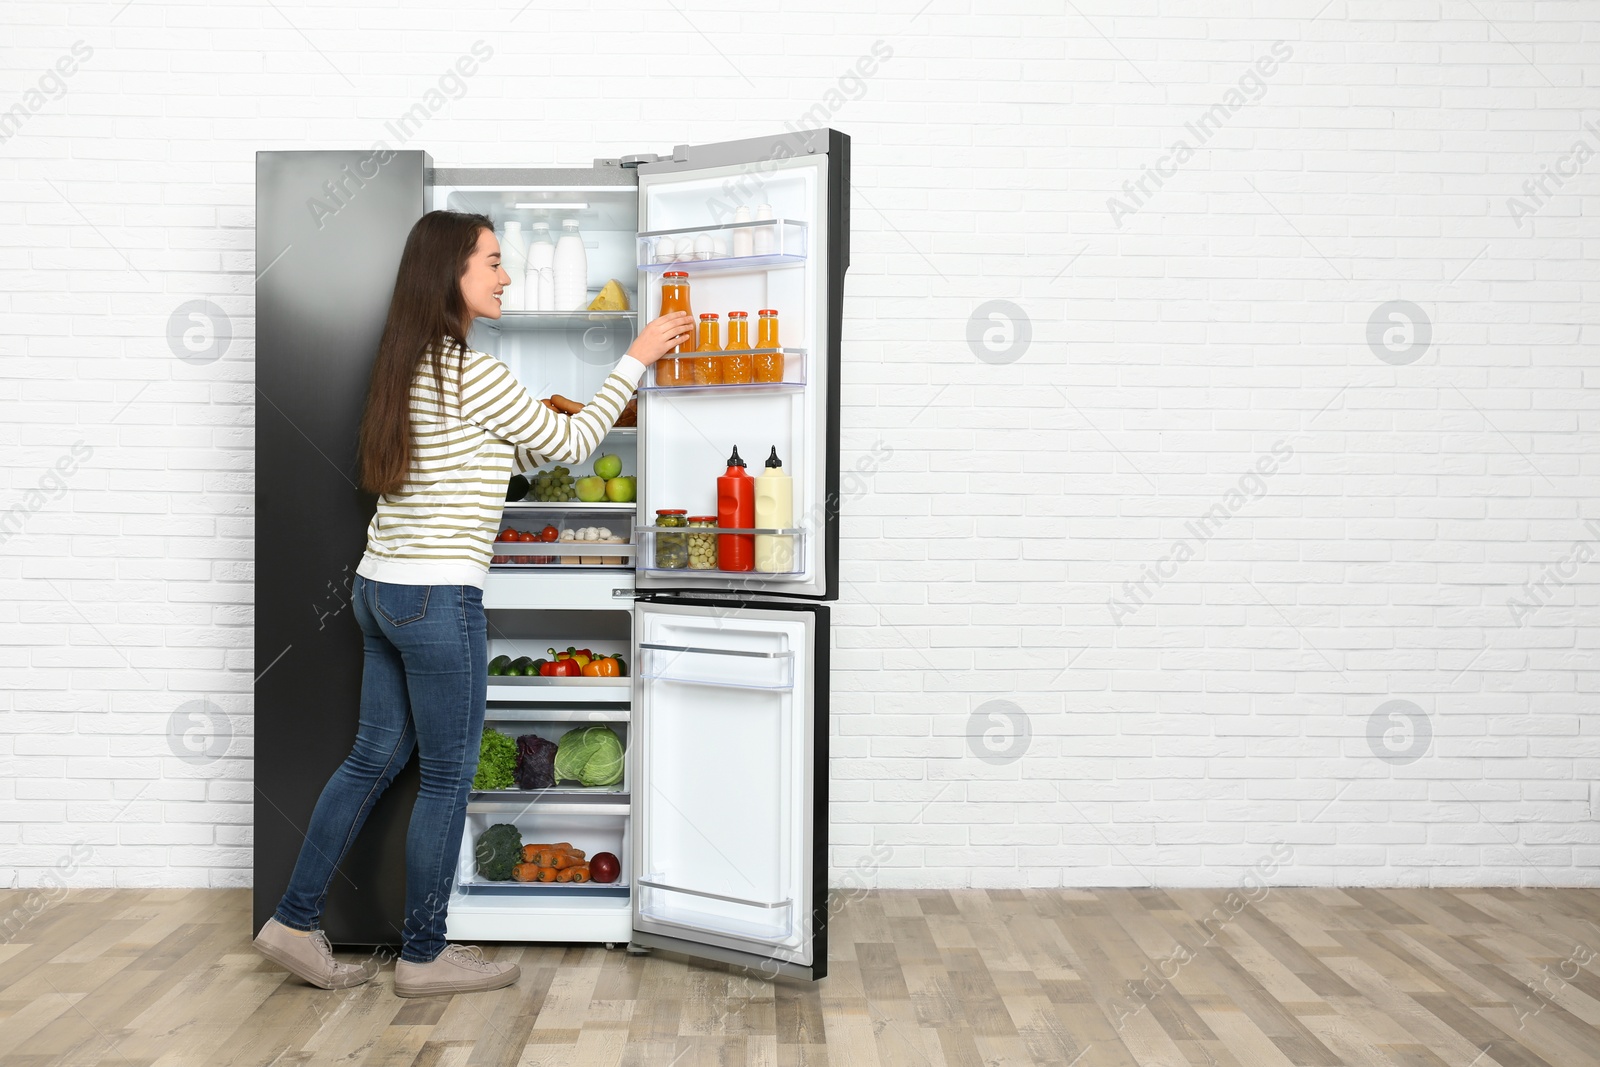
<point>608,466</point>
<point>591,489</point>
<point>620,490</point>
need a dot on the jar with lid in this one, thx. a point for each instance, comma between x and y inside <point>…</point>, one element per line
<point>672,549</point>
<point>769,364</point>
<point>702,546</point>
<point>708,369</point>
<point>675,297</point>
<point>738,369</point>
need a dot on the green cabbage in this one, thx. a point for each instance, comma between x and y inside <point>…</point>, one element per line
<point>591,755</point>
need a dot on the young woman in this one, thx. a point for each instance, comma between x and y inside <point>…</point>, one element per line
<point>442,428</point>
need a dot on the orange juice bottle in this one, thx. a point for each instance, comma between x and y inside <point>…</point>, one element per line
<point>675,297</point>
<point>769,365</point>
<point>741,369</point>
<point>708,369</point>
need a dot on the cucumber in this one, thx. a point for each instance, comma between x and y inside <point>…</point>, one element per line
<point>519,666</point>
<point>498,665</point>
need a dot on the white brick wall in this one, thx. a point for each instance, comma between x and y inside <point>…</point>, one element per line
<point>1204,726</point>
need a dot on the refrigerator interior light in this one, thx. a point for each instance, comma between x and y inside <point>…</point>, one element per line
<point>557,207</point>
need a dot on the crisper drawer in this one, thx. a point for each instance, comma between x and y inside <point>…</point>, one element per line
<point>552,726</point>
<point>595,826</point>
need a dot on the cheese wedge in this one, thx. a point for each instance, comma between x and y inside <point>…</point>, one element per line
<point>611,298</point>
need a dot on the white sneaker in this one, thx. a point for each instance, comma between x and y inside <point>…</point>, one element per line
<point>458,969</point>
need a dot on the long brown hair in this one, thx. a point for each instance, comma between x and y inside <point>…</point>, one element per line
<point>426,312</point>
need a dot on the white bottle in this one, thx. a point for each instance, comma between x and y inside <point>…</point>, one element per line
<point>514,259</point>
<point>531,300</point>
<point>541,247</point>
<point>743,243</point>
<point>774,511</point>
<point>572,269</point>
<point>766,236</point>
<point>547,289</point>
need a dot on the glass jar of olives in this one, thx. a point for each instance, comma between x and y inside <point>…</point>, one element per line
<point>702,546</point>
<point>672,550</point>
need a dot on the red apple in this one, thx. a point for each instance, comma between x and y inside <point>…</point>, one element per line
<point>604,867</point>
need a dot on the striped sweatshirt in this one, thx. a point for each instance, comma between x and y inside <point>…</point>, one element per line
<point>439,528</point>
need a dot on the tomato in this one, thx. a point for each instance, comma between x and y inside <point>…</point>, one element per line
<point>508,534</point>
<point>549,533</point>
<point>528,535</point>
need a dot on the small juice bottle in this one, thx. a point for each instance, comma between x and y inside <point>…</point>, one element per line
<point>769,365</point>
<point>675,297</point>
<point>741,369</point>
<point>708,369</point>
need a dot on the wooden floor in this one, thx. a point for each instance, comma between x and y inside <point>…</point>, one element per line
<point>1444,978</point>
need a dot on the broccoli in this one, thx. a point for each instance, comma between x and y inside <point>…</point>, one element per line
<point>499,849</point>
<point>497,761</point>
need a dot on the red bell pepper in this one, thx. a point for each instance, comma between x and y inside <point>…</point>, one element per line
<point>561,668</point>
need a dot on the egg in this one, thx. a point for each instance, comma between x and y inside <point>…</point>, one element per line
<point>702,246</point>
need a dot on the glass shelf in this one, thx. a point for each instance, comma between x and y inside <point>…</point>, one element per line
<point>565,507</point>
<point>701,249</point>
<point>794,373</point>
<point>558,320</point>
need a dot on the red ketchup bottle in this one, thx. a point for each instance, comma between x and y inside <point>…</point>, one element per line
<point>736,510</point>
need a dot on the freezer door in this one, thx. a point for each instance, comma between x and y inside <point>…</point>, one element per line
<point>793,263</point>
<point>729,765</point>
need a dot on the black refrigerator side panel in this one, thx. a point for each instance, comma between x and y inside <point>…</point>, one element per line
<point>822,686</point>
<point>839,263</point>
<point>330,227</point>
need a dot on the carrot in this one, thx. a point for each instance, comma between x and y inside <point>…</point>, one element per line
<point>524,872</point>
<point>546,874</point>
<point>579,873</point>
<point>566,859</point>
<point>565,875</point>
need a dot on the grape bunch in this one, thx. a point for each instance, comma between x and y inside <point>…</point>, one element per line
<point>554,485</point>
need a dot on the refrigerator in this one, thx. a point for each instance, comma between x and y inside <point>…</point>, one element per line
<point>720,821</point>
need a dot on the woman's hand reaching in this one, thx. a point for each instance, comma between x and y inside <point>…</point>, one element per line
<point>661,335</point>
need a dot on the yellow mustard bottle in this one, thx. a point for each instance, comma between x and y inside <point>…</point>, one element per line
<point>774,511</point>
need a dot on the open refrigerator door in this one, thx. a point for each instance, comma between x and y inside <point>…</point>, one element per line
<point>754,233</point>
<point>728,768</point>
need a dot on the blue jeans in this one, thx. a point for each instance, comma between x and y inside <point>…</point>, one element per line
<point>424,685</point>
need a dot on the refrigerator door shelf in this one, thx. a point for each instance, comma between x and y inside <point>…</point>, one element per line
<point>731,668</point>
<point>794,373</point>
<point>692,255</point>
<point>646,536</point>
